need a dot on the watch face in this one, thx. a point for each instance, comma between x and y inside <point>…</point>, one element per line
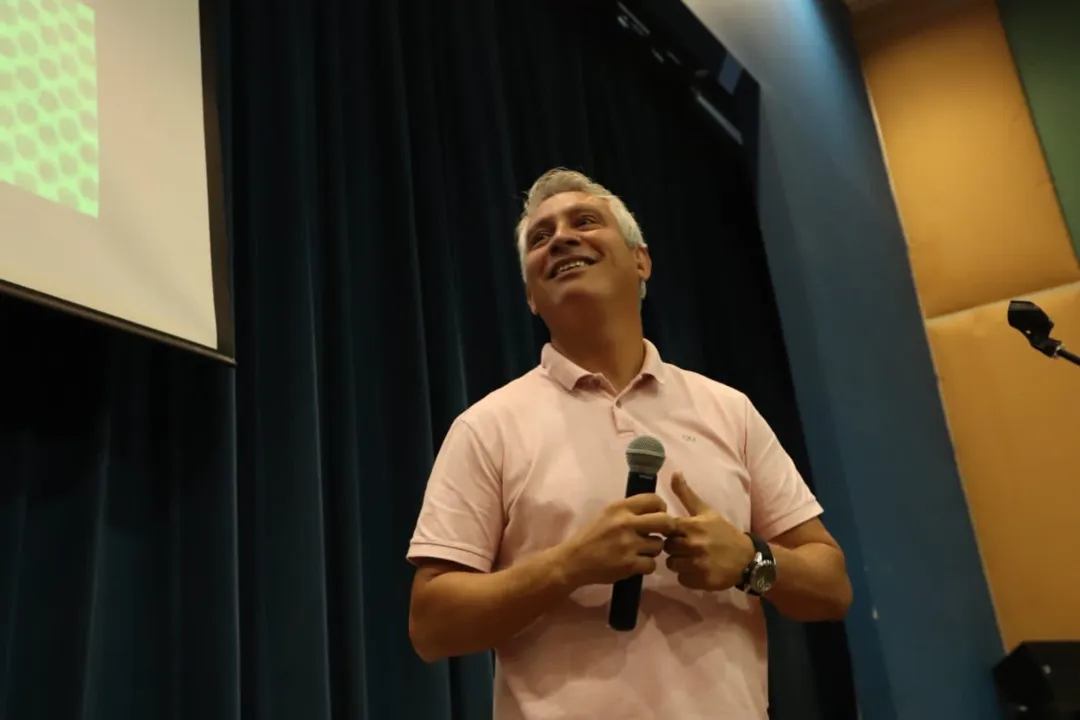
<point>763,577</point>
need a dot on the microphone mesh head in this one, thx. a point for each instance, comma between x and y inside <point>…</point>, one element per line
<point>645,454</point>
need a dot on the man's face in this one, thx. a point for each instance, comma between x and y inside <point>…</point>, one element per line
<point>575,251</point>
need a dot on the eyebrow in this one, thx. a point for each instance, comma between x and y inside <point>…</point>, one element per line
<point>575,209</point>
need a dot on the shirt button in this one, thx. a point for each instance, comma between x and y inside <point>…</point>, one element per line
<point>618,403</point>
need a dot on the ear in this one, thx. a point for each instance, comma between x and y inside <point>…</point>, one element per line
<point>644,263</point>
<point>529,299</point>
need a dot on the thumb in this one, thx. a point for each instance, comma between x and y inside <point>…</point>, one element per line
<point>693,504</point>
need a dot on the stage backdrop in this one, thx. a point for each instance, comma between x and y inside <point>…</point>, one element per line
<point>984,225</point>
<point>179,541</point>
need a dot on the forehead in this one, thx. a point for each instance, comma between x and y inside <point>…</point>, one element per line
<point>566,203</point>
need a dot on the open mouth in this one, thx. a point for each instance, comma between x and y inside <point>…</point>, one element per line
<point>569,265</point>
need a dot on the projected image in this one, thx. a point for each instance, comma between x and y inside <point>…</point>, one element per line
<point>105,197</point>
<point>48,101</point>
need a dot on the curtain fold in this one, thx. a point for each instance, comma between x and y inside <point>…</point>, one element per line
<point>182,540</point>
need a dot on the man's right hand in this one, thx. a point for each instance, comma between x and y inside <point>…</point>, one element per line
<point>623,541</point>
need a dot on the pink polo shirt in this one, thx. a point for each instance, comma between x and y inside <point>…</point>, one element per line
<point>537,460</point>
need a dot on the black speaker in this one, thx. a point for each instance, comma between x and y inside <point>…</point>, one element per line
<point>1040,681</point>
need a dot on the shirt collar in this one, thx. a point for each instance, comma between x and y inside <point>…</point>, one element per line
<point>569,374</point>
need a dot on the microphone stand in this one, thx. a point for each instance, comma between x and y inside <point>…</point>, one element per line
<point>1054,349</point>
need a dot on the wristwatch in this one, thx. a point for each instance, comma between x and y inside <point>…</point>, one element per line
<point>760,575</point>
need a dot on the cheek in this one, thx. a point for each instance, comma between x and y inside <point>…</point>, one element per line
<point>534,267</point>
<point>535,293</point>
<point>532,284</point>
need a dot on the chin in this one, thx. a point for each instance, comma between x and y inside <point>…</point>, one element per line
<point>574,300</point>
<point>575,291</point>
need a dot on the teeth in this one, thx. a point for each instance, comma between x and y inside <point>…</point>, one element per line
<point>570,266</point>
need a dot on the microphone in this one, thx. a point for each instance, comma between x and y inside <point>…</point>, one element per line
<point>1035,325</point>
<point>645,456</point>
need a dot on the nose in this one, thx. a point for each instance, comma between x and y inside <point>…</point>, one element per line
<point>565,238</point>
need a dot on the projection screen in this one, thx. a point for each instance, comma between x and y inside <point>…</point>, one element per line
<point>111,199</point>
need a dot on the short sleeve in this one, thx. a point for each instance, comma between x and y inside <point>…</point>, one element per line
<point>779,497</point>
<point>461,519</point>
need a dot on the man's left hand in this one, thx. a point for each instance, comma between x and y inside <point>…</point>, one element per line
<point>706,551</point>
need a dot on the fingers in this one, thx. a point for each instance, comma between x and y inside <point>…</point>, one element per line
<point>645,504</point>
<point>693,504</point>
<point>656,523</point>
<point>693,581</point>
<point>687,573</point>
<point>680,565</point>
<point>651,546</point>
<point>644,566</point>
<point>677,546</point>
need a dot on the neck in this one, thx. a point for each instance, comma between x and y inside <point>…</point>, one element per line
<point>614,348</point>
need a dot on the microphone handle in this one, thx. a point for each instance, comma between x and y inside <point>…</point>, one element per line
<point>626,593</point>
<point>638,483</point>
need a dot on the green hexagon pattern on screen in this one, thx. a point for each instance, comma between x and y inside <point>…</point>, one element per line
<point>48,101</point>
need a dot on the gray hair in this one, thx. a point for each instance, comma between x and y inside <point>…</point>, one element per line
<point>560,180</point>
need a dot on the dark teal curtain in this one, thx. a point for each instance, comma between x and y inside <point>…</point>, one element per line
<point>181,540</point>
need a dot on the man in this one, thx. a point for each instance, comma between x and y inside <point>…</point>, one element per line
<point>524,527</point>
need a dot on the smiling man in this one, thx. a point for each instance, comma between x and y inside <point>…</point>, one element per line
<point>524,527</point>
